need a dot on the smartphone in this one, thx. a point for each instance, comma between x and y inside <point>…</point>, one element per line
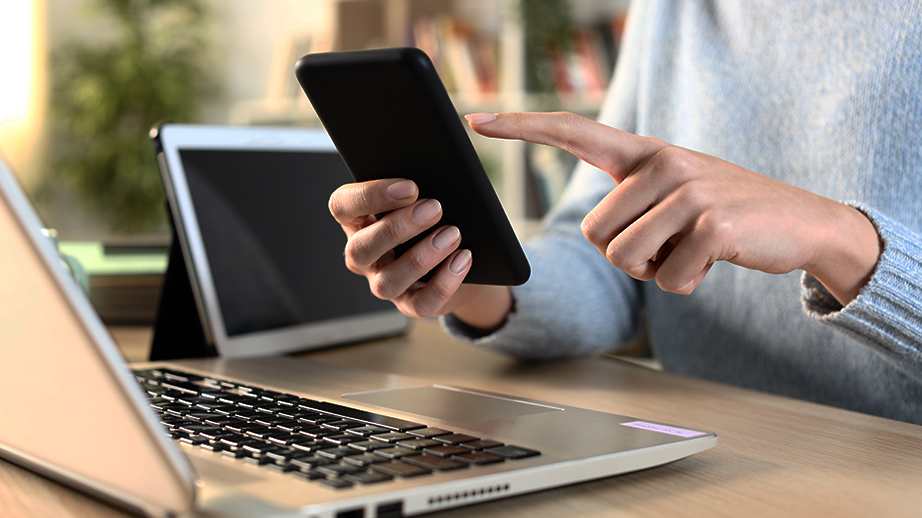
<point>389,116</point>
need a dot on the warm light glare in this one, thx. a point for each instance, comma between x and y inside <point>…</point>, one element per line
<point>16,61</point>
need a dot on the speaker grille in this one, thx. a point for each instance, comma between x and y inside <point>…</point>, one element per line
<point>468,495</point>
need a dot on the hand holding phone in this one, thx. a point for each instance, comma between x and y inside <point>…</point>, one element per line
<point>369,252</point>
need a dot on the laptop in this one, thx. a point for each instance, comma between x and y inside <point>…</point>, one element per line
<point>369,444</point>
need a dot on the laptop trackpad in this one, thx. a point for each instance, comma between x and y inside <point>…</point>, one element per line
<point>449,404</point>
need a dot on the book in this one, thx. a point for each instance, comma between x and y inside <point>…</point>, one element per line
<point>465,59</point>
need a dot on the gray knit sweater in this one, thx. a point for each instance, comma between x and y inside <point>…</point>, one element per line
<point>825,95</point>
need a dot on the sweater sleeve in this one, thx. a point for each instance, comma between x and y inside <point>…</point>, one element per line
<point>887,314</point>
<point>574,304</point>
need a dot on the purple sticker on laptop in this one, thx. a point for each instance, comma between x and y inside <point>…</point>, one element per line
<point>663,429</point>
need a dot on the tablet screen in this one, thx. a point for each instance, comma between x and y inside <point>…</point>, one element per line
<point>274,250</point>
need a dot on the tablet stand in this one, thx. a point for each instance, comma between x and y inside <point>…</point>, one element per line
<point>178,330</point>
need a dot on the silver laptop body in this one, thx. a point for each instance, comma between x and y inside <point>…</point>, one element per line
<point>73,411</point>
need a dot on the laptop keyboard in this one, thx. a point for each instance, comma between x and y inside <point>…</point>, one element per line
<point>336,445</point>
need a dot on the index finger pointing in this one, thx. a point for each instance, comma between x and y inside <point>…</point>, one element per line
<point>611,150</point>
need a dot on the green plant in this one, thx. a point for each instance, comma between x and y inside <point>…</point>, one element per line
<point>106,96</point>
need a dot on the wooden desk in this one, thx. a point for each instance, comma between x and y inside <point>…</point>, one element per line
<point>776,456</point>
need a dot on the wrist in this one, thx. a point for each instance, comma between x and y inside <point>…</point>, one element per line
<point>485,308</point>
<point>849,254</point>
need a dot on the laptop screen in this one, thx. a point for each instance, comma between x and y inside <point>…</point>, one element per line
<point>276,252</point>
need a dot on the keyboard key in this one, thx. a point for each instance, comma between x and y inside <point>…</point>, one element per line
<point>478,458</point>
<point>249,404</point>
<point>234,454</point>
<point>342,438</point>
<point>418,444</point>
<point>456,438</point>
<point>513,452</point>
<point>270,408</point>
<point>221,421</point>
<point>367,477</point>
<point>260,432</point>
<point>369,445</point>
<point>307,404</point>
<point>218,408</point>
<point>214,446</point>
<point>336,453</point>
<point>194,440</point>
<point>283,438</point>
<point>172,421</point>
<point>178,409</point>
<point>435,463</point>
<point>172,375</point>
<point>446,450</point>
<point>184,387</point>
<point>201,416</point>
<point>290,425</point>
<point>308,444</point>
<point>241,426</point>
<point>392,437</point>
<point>317,432</point>
<point>396,452</point>
<point>342,424</point>
<point>269,419</point>
<point>258,447</point>
<point>281,455</point>
<point>153,390</point>
<point>231,399</point>
<point>310,462</point>
<point>399,468</point>
<point>195,428</point>
<point>247,414</point>
<point>214,435</point>
<point>272,395</point>
<point>292,413</point>
<point>367,430</point>
<point>337,470</point>
<point>236,440</point>
<point>429,432</point>
<point>481,444</point>
<point>365,459</point>
<point>318,419</point>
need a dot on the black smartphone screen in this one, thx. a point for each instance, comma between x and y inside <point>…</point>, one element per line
<point>389,116</point>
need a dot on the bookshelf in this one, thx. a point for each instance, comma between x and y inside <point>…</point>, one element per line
<point>478,46</point>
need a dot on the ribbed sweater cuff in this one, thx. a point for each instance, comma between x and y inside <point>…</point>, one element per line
<point>888,310</point>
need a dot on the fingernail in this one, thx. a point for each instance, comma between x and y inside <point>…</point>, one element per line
<point>460,262</point>
<point>480,118</point>
<point>401,190</point>
<point>426,211</point>
<point>446,237</point>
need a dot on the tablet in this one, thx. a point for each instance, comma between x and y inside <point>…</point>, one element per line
<point>263,253</point>
<point>390,116</point>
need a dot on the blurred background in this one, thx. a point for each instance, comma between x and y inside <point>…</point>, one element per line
<point>83,81</point>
